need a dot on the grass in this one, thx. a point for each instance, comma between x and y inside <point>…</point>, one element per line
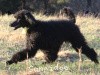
<point>68,61</point>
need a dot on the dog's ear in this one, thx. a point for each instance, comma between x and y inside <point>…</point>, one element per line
<point>30,18</point>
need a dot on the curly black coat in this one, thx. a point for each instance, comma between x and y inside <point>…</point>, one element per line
<point>48,36</point>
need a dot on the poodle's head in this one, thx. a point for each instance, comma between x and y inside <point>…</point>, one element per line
<point>23,19</point>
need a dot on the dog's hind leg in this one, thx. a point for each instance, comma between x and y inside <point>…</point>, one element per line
<point>22,55</point>
<point>90,53</point>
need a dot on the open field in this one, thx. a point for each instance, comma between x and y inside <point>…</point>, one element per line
<point>68,62</point>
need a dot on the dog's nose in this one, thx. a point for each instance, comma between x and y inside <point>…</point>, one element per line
<point>13,24</point>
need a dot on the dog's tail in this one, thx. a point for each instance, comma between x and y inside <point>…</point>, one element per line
<point>67,11</point>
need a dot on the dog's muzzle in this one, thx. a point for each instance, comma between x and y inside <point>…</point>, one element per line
<point>15,24</point>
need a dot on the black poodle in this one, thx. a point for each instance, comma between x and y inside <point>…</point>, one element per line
<point>48,36</point>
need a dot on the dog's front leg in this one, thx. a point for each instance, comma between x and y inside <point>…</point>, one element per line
<point>22,55</point>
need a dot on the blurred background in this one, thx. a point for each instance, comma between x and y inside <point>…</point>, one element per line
<point>50,7</point>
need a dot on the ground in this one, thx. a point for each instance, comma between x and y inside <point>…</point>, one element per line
<point>68,61</point>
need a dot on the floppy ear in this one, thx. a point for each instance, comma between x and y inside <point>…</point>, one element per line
<point>30,18</point>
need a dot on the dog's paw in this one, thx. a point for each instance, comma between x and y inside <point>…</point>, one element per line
<point>96,61</point>
<point>9,62</point>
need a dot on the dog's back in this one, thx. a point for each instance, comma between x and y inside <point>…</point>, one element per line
<point>62,30</point>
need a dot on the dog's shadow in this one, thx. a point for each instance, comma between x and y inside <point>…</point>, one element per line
<point>68,58</point>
